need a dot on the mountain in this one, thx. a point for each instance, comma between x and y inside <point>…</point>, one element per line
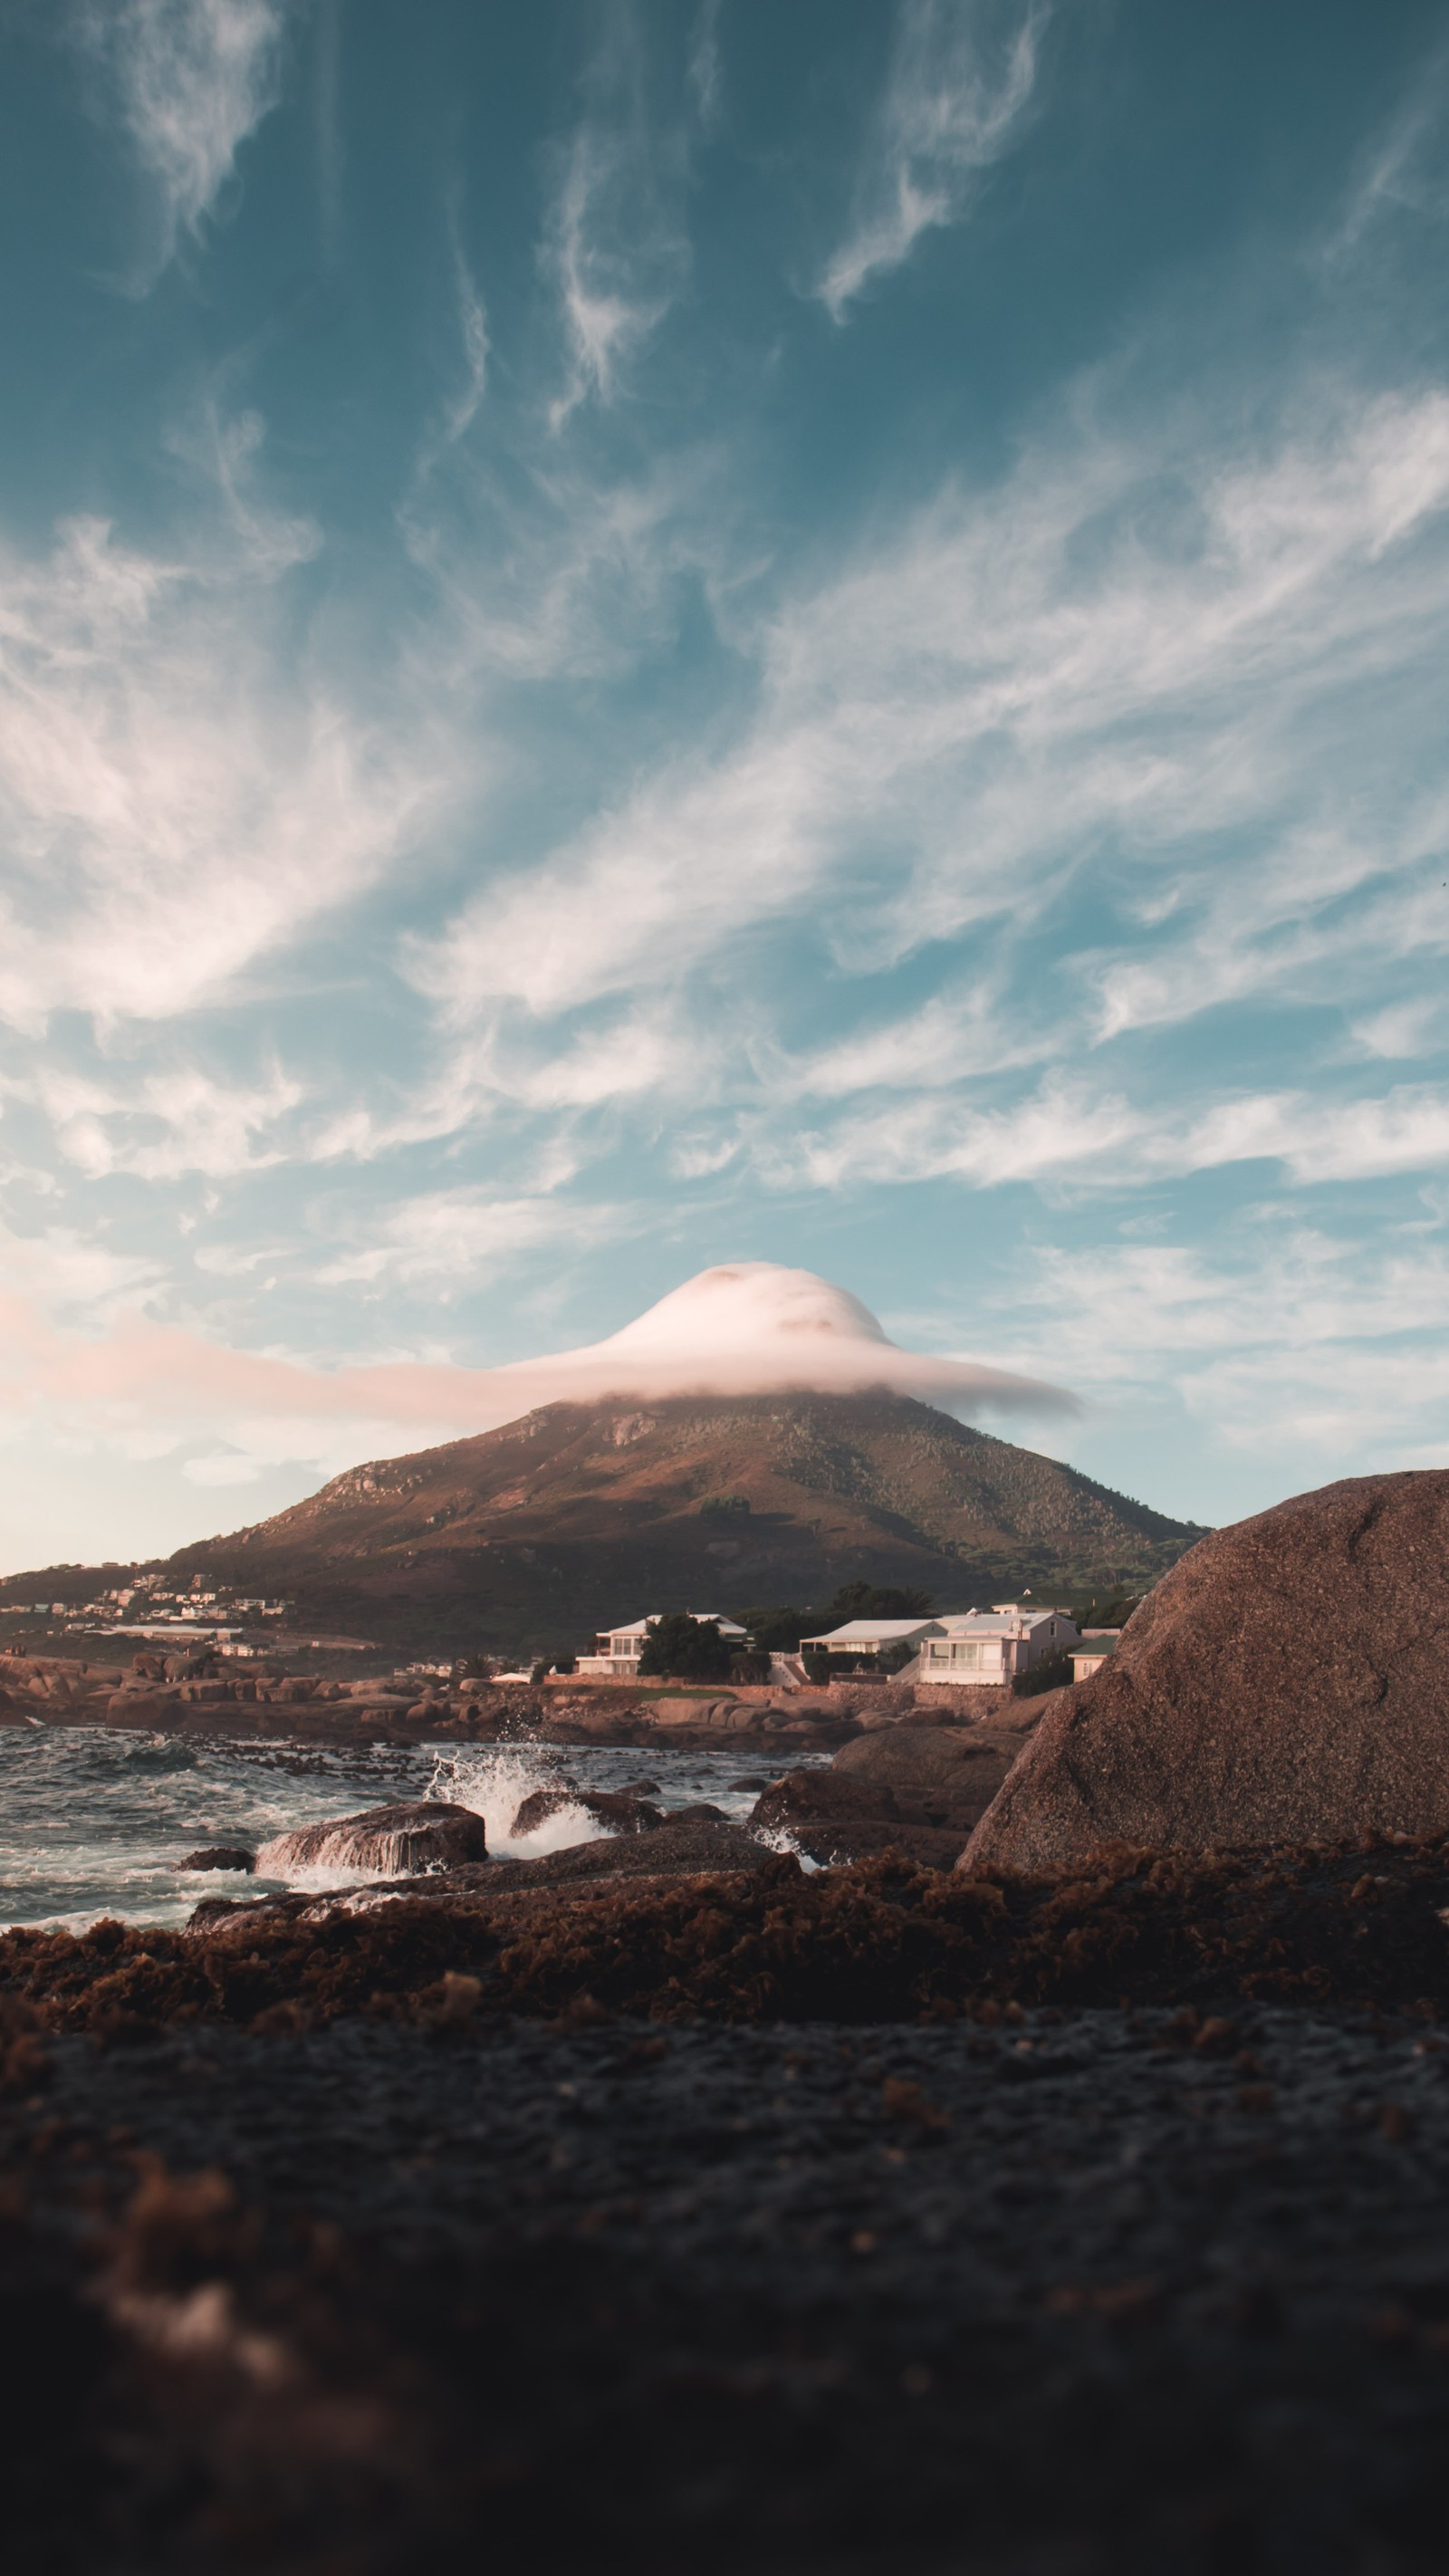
<point>529,1537</point>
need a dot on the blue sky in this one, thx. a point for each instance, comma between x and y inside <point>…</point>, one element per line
<point>634,637</point>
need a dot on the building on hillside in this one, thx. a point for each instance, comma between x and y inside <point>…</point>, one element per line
<point>617,1650</point>
<point>983,1648</point>
<point>1089,1657</point>
<point>871,1636</point>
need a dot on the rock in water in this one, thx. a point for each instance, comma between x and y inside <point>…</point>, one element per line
<point>616,1812</point>
<point>218,1856</point>
<point>1287,1681</point>
<point>394,1840</point>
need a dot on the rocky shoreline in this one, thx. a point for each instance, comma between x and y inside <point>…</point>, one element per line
<point>187,1695</point>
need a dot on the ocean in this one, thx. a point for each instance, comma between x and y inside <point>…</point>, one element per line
<point>94,1822</point>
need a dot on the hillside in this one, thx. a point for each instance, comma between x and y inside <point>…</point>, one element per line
<point>528,1537</point>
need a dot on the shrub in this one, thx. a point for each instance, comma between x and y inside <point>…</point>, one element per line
<point>1049,1674</point>
<point>749,1668</point>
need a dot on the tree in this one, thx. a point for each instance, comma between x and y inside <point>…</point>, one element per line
<point>725,1507</point>
<point>776,1628</point>
<point>678,1648</point>
<point>875,1601</point>
<point>1113,1613</point>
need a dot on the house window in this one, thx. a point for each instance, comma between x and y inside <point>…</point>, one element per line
<point>966,1651</point>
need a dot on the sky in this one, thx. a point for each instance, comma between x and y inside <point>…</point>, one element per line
<point>643,637</point>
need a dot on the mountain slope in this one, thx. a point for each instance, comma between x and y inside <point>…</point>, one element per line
<point>532,1535</point>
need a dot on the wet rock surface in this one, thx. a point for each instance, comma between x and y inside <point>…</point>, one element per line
<point>219,1856</point>
<point>1081,2294</point>
<point>1287,1680</point>
<point>415,1835</point>
<point>615,1810</point>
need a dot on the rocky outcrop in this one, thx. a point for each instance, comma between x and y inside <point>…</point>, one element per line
<point>1287,1681</point>
<point>616,1812</point>
<point>916,1788</point>
<point>219,1856</point>
<point>428,1835</point>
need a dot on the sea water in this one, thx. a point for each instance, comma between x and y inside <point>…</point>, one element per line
<point>93,1822</point>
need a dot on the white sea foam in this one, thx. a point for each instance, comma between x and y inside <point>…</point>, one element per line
<point>494,1780</point>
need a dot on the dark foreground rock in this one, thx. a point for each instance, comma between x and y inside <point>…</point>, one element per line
<point>422,1834</point>
<point>219,1856</point>
<point>1287,1681</point>
<point>1085,2294</point>
<point>739,1933</point>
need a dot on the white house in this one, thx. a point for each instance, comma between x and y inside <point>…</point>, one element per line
<point>982,1647</point>
<point>617,1650</point>
<point>870,1636</point>
<point>1088,1658</point>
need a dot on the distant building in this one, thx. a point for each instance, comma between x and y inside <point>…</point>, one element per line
<point>870,1636</point>
<point>617,1650</point>
<point>984,1647</point>
<point>1088,1658</point>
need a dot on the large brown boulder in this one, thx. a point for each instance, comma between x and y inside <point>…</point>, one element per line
<point>1288,1681</point>
<point>427,1834</point>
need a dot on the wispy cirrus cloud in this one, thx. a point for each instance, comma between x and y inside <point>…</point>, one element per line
<point>615,246</point>
<point>1070,1132</point>
<point>188,81</point>
<point>961,81</point>
<point>1290,1342</point>
<point>182,784</point>
<point>1158,662</point>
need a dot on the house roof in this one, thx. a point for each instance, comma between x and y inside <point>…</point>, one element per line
<point>1093,1646</point>
<point>868,1632</point>
<point>640,1627</point>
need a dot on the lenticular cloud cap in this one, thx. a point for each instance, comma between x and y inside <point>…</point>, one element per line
<point>757,1328</point>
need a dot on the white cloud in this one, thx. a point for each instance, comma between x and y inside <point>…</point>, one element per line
<point>181,787</point>
<point>166,1122</point>
<point>960,83</point>
<point>1401,1029</point>
<point>1015,678</point>
<point>1292,1346</point>
<point>703,70</point>
<point>614,245</point>
<point>1069,1133</point>
<point>189,80</point>
<point>454,1241</point>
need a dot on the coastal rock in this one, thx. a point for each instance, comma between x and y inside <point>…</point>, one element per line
<point>936,1775</point>
<point>427,1835</point>
<point>820,1796</point>
<point>618,1813</point>
<point>681,1847</point>
<point>917,1790</point>
<point>1288,1680</point>
<point>219,1856</point>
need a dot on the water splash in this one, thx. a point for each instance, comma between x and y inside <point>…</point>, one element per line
<point>494,1780</point>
